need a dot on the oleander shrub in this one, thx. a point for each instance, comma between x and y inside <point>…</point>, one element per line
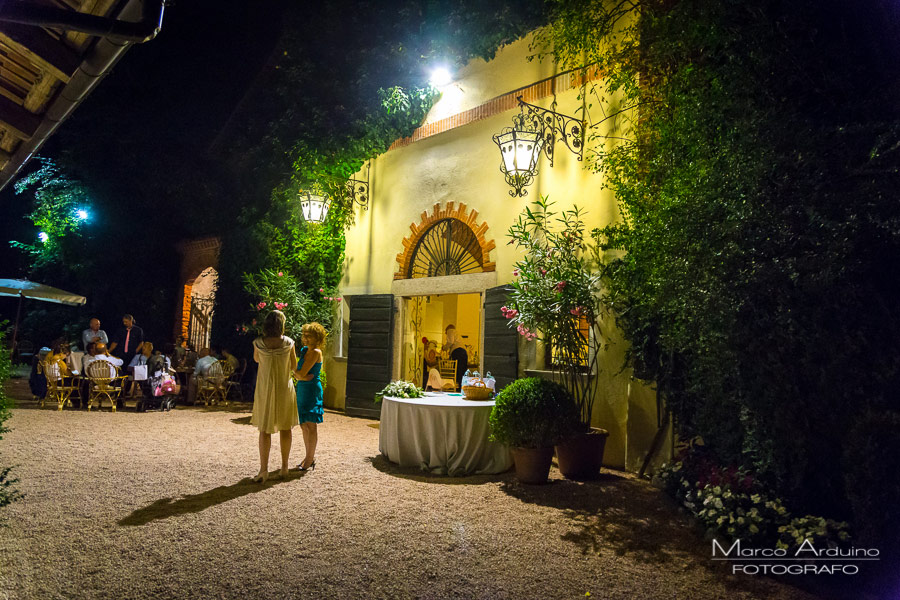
<point>533,413</point>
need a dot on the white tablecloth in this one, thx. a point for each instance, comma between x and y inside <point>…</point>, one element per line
<point>442,434</point>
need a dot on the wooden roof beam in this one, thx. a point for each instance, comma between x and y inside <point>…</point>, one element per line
<point>22,122</point>
<point>42,49</point>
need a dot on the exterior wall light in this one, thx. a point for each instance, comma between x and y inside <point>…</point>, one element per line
<point>43,237</point>
<point>535,130</point>
<point>315,204</point>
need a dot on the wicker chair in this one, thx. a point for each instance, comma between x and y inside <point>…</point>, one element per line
<point>57,387</point>
<point>447,368</point>
<point>105,382</point>
<point>211,387</point>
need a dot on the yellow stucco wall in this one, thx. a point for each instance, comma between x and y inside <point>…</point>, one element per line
<point>462,166</point>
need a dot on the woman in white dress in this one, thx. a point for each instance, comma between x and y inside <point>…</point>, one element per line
<point>274,402</point>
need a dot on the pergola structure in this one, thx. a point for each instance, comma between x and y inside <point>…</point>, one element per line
<point>52,54</point>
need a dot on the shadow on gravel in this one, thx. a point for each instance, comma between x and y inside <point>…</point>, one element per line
<point>630,518</point>
<point>414,474</point>
<point>168,507</point>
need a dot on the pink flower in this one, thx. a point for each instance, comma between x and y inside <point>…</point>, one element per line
<point>560,286</point>
<point>321,290</point>
<point>543,271</point>
<point>261,305</point>
<point>515,272</point>
<point>338,299</point>
<point>280,274</point>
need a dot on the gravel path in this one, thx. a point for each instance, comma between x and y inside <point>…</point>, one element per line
<point>158,505</point>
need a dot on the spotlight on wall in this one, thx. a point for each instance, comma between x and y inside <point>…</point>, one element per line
<point>440,76</point>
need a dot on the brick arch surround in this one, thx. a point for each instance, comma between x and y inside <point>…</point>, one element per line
<point>470,218</point>
<point>197,255</point>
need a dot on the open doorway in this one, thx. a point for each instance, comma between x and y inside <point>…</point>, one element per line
<point>426,321</point>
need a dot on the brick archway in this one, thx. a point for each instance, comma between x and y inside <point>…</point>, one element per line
<point>469,218</point>
<point>197,256</point>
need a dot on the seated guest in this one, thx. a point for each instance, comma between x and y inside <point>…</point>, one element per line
<point>190,357</point>
<point>93,334</point>
<point>204,362</point>
<point>37,381</point>
<point>179,352</point>
<point>231,359</point>
<point>101,353</point>
<point>201,369</point>
<point>88,357</point>
<point>57,356</point>
<point>127,340</point>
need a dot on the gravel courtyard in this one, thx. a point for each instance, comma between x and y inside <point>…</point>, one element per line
<point>159,505</point>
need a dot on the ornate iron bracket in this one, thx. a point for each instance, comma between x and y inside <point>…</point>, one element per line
<point>358,190</point>
<point>552,126</point>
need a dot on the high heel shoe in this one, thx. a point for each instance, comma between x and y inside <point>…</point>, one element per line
<point>311,466</point>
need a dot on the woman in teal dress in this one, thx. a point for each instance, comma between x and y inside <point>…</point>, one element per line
<point>309,390</point>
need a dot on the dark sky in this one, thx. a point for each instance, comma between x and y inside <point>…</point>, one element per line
<point>173,92</point>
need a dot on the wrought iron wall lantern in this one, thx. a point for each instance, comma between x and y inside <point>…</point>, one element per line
<point>314,203</point>
<point>535,130</point>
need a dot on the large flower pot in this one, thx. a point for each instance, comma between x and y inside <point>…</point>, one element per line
<point>581,456</point>
<point>532,464</point>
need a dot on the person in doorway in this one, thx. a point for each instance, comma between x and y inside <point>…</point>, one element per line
<point>93,334</point>
<point>274,401</point>
<point>455,350</point>
<point>309,390</point>
<point>127,340</point>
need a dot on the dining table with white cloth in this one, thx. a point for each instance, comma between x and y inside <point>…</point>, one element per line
<point>441,433</point>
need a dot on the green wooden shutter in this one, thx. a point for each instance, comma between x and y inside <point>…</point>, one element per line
<point>501,349</point>
<point>369,353</point>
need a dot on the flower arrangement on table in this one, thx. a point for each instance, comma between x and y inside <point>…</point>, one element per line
<point>400,389</point>
<point>556,294</point>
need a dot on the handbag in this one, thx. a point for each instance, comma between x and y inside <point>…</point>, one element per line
<point>140,372</point>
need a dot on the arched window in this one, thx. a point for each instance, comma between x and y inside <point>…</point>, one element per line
<point>449,247</point>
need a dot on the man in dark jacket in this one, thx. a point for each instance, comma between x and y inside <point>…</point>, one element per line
<point>127,341</point>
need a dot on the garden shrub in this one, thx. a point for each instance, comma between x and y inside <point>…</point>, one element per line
<point>533,413</point>
<point>731,503</point>
<point>756,259</point>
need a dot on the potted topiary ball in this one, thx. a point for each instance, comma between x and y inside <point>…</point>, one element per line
<point>530,416</point>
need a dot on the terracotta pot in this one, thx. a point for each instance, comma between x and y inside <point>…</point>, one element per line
<point>581,456</point>
<point>532,464</point>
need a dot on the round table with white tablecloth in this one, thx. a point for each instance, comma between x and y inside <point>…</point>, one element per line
<point>441,433</point>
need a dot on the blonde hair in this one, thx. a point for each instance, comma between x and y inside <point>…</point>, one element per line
<point>315,330</point>
<point>273,326</point>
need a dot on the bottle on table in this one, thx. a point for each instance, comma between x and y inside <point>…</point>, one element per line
<point>489,381</point>
<point>466,377</point>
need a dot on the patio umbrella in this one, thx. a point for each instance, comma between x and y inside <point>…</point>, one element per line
<point>37,291</point>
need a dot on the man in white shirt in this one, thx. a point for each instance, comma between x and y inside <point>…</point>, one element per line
<point>201,369</point>
<point>101,353</point>
<point>93,334</point>
<point>205,361</point>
